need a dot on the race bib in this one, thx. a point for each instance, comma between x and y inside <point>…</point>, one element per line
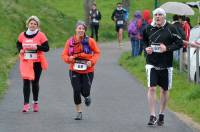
<point>80,66</point>
<point>156,47</point>
<point>30,55</point>
<point>95,21</point>
<point>120,22</point>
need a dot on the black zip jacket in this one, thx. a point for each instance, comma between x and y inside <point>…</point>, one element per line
<point>95,14</point>
<point>166,35</point>
<point>118,14</point>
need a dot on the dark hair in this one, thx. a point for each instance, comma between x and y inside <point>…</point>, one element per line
<point>94,4</point>
<point>119,3</point>
<point>175,17</point>
<point>187,19</point>
<point>183,18</point>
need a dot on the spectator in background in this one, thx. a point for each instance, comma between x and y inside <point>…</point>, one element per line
<point>188,20</point>
<point>186,28</point>
<point>180,31</point>
<point>135,33</point>
<point>146,16</point>
<point>119,16</point>
<point>178,26</point>
<point>95,17</point>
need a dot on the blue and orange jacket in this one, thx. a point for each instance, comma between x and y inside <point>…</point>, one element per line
<point>78,52</point>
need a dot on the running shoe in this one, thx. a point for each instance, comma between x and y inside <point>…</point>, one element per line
<point>35,107</point>
<point>87,101</point>
<point>78,116</point>
<point>152,120</point>
<point>26,108</point>
<point>160,121</point>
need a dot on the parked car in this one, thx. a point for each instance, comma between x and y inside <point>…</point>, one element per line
<point>194,36</point>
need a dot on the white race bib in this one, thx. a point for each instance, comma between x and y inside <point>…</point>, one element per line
<point>156,48</point>
<point>95,20</point>
<point>120,22</point>
<point>30,56</point>
<point>80,66</point>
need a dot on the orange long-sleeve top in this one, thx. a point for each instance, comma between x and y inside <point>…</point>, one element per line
<point>93,57</point>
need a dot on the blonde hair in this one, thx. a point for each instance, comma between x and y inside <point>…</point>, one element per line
<point>35,18</point>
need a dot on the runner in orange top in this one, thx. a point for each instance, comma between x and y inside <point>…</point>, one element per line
<point>82,53</point>
<point>32,44</point>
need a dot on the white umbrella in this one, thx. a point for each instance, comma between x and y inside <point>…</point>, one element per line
<point>177,8</point>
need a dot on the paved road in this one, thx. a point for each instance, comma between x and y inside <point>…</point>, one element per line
<point>118,101</point>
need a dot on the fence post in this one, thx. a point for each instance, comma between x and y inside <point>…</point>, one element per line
<point>197,65</point>
<point>188,62</point>
<point>181,60</point>
<point>199,12</point>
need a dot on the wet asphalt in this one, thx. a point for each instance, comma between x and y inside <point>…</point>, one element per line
<point>119,102</point>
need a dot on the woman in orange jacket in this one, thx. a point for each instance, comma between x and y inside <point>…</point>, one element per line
<point>31,45</point>
<point>82,53</point>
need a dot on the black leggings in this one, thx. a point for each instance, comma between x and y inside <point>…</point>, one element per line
<point>81,84</point>
<point>94,30</point>
<point>35,84</point>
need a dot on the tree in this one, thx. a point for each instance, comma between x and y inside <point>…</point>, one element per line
<point>87,6</point>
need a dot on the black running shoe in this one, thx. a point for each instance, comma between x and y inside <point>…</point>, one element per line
<point>160,121</point>
<point>152,120</point>
<point>78,116</point>
<point>87,101</point>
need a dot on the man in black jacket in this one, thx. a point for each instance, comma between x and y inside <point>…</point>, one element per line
<point>161,39</point>
<point>119,15</point>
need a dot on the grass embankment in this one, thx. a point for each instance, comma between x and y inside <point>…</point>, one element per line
<point>184,96</point>
<point>13,14</point>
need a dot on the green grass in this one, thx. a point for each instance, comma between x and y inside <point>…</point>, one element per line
<point>13,14</point>
<point>184,95</point>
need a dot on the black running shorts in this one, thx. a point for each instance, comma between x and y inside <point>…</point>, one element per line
<point>160,77</point>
